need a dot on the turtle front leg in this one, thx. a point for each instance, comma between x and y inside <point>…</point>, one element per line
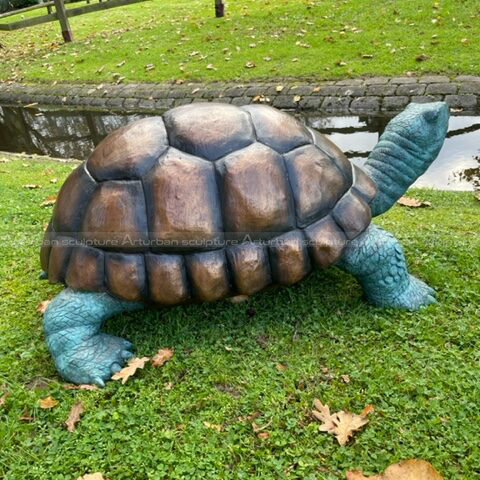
<point>376,259</point>
<point>82,354</point>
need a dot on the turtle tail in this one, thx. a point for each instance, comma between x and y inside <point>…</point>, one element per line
<point>410,143</point>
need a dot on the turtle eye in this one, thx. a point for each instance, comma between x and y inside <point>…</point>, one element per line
<point>431,115</point>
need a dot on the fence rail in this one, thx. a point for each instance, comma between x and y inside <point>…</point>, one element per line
<point>61,14</point>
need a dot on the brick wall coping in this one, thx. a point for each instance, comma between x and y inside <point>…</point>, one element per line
<point>350,96</point>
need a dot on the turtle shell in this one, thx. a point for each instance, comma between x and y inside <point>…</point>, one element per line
<point>208,201</point>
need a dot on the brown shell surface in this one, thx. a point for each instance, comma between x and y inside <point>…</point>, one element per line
<point>208,201</point>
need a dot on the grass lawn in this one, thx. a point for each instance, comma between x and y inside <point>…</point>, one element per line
<point>419,370</point>
<point>315,39</point>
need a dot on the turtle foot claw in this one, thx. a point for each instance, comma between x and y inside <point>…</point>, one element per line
<point>417,295</point>
<point>95,360</point>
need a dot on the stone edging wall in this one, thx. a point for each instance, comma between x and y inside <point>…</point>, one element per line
<point>371,95</point>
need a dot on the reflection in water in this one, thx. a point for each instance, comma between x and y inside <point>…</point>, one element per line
<point>74,134</point>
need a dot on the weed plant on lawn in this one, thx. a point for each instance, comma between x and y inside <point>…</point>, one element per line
<point>419,370</point>
<point>181,39</point>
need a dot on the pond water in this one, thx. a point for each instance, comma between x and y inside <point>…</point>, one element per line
<point>74,134</point>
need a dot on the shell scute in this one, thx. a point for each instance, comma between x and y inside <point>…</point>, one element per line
<point>209,130</point>
<point>184,210</point>
<point>167,278</point>
<point>330,149</point>
<point>115,218</point>
<point>289,258</point>
<point>255,194</point>
<point>130,151</point>
<point>72,201</point>
<point>125,275</point>
<point>316,182</point>
<point>208,274</point>
<point>353,214</point>
<point>250,265</point>
<point>277,129</point>
<point>86,269</point>
<point>326,241</point>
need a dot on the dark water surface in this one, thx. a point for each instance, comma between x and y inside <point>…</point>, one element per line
<point>74,134</point>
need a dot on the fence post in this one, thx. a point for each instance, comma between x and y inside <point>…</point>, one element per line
<point>219,8</point>
<point>63,19</point>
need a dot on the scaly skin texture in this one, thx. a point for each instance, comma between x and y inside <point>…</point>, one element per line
<point>410,143</point>
<point>376,259</point>
<point>72,323</point>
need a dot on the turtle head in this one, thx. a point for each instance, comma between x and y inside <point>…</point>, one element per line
<point>407,147</point>
<point>424,126</point>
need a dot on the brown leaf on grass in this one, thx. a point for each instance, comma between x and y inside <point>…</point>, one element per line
<point>26,417</point>
<point>412,202</point>
<point>3,398</point>
<point>281,367</point>
<point>42,306</point>
<point>408,470</point>
<point>162,357</point>
<point>31,186</point>
<point>48,402</point>
<point>422,58</point>
<point>74,416</point>
<point>133,365</point>
<point>92,476</point>
<point>213,426</point>
<point>341,424</point>
<point>238,299</point>
<point>49,201</point>
<point>80,387</point>
<point>250,65</point>
<point>263,436</point>
<point>346,425</point>
<point>323,415</point>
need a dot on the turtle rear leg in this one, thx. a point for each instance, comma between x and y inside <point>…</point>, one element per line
<point>72,323</point>
<point>376,259</point>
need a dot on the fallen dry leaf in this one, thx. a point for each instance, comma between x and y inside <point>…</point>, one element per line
<point>92,476</point>
<point>133,365</point>
<point>49,201</point>
<point>279,88</point>
<point>3,398</point>
<point>323,414</point>
<point>238,299</point>
<point>74,416</point>
<point>42,306</point>
<point>346,425</point>
<point>422,57</point>
<point>48,402</point>
<point>162,357</point>
<point>297,98</point>
<point>407,470</point>
<point>281,367</point>
<point>213,426</point>
<point>80,387</point>
<point>341,424</point>
<point>31,186</point>
<point>250,65</point>
<point>412,202</point>
<point>26,417</point>
<point>345,378</point>
<point>263,435</point>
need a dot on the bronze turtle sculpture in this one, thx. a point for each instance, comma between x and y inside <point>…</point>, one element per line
<point>213,200</point>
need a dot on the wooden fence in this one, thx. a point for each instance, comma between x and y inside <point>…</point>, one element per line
<point>61,14</point>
